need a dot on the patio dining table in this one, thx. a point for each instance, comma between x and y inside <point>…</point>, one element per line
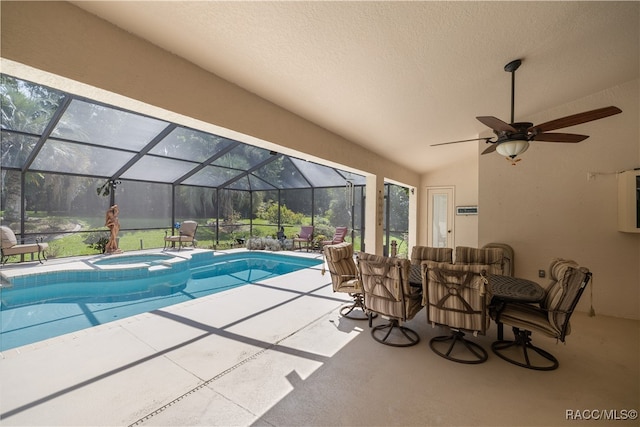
<point>513,289</point>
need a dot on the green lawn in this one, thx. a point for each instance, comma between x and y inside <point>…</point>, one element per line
<point>79,243</point>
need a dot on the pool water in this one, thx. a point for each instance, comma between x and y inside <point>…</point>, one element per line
<point>133,259</point>
<point>44,307</point>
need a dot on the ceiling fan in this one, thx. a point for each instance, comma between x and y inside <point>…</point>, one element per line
<point>513,138</point>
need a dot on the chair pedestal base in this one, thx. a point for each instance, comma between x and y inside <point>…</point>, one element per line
<point>355,311</point>
<point>445,345</point>
<point>522,347</point>
<point>394,334</point>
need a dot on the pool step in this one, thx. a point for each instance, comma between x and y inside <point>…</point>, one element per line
<point>160,267</point>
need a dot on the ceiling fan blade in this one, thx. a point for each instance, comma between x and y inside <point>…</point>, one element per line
<point>496,124</point>
<point>576,119</point>
<point>490,149</point>
<point>560,137</point>
<point>463,140</point>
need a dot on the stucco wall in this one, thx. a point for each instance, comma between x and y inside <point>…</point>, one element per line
<point>546,207</point>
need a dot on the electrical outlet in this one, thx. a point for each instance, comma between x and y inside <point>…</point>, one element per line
<point>541,273</point>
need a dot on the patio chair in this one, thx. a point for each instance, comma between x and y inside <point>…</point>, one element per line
<point>385,283</point>
<point>305,236</point>
<point>499,258</point>
<point>344,278</point>
<point>550,317</point>
<point>456,297</point>
<point>509,257</point>
<point>9,246</point>
<point>338,236</point>
<point>493,257</point>
<point>187,234</point>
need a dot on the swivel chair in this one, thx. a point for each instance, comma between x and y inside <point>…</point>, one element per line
<point>344,278</point>
<point>455,296</point>
<point>385,282</point>
<point>550,318</point>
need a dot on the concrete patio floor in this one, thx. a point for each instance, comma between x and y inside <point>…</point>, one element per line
<point>278,353</point>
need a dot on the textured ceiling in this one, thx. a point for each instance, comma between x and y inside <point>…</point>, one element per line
<point>398,76</point>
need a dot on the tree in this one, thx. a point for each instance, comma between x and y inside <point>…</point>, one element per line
<point>27,109</point>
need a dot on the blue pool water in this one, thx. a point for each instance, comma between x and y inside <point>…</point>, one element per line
<point>133,259</point>
<point>46,305</point>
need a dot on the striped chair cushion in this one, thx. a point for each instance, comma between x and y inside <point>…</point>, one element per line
<point>385,283</point>
<point>492,257</point>
<point>456,295</point>
<point>424,253</point>
<point>530,318</point>
<point>557,271</point>
<point>342,267</point>
<point>509,257</point>
<point>562,294</point>
<point>381,276</point>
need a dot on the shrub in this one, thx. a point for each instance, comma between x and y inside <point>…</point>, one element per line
<point>268,244</point>
<point>100,245</point>
<point>269,212</point>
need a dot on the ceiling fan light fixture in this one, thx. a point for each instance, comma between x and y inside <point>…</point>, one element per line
<point>513,148</point>
<point>513,138</point>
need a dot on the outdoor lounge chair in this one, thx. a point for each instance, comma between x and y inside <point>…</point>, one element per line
<point>338,236</point>
<point>9,246</point>
<point>187,235</point>
<point>305,236</point>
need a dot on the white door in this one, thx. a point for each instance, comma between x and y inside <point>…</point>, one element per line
<point>440,217</point>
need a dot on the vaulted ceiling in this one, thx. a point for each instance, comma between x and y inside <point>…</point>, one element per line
<point>396,77</point>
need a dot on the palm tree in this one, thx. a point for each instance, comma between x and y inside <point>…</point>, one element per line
<point>26,109</point>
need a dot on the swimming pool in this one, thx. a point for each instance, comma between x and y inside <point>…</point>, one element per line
<point>133,259</point>
<point>37,307</point>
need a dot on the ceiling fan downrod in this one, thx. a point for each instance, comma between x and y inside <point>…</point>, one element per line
<point>511,67</point>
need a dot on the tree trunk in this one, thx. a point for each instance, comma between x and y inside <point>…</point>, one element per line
<point>13,207</point>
